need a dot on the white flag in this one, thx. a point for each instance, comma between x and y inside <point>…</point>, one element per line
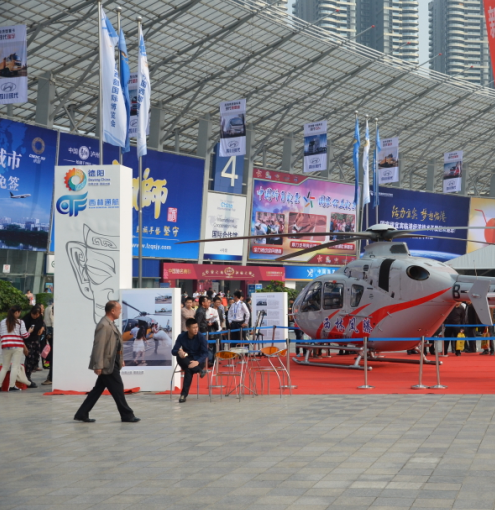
<point>143,96</point>
<point>366,166</point>
<point>114,115</point>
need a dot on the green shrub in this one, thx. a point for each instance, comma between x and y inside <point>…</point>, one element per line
<point>10,296</point>
<point>44,298</point>
<point>276,286</point>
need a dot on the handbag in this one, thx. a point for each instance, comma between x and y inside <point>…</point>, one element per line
<point>46,351</point>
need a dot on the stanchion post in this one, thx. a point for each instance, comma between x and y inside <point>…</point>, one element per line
<point>437,386</point>
<point>365,386</point>
<point>420,385</point>
<point>288,386</point>
<point>273,335</point>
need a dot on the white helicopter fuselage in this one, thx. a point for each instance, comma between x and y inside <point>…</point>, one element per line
<point>388,294</point>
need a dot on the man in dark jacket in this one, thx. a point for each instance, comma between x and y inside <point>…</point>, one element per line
<point>471,318</point>
<point>200,316</point>
<point>456,316</point>
<point>191,351</point>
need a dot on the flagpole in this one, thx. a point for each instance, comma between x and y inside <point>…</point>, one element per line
<point>140,184</point>
<point>368,183</point>
<point>100,104</point>
<point>119,12</point>
<point>375,177</point>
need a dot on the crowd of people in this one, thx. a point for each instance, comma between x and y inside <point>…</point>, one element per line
<point>27,345</point>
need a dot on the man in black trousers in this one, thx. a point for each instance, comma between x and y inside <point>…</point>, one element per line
<point>106,362</point>
<point>191,351</point>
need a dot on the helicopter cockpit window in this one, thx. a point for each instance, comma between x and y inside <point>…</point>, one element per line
<point>356,294</point>
<point>333,295</point>
<point>312,300</point>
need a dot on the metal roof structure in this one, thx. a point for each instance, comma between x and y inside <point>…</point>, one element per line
<point>202,52</point>
<point>478,260</point>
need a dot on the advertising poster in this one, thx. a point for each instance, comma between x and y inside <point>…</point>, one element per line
<point>407,209</point>
<point>27,160</point>
<point>173,271</point>
<point>481,214</point>
<point>150,325</point>
<point>452,171</point>
<point>315,146</point>
<point>172,201</point>
<point>388,161</point>
<point>297,204</point>
<point>82,150</point>
<point>302,273</point>
<point>13,65</point>
<point>225,219</point>
<point>228,173</point>
<point>233,128</point>
<point>273,309</point>
<point>133,97</point>
<point>93,244</point>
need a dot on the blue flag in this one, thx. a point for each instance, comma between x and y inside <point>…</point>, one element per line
<point>378,148</point>
<point>355,159</point>
<point>125,75</point>
<point>144,96</point>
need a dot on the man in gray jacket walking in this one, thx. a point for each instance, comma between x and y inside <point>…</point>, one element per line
<point>106,361</point>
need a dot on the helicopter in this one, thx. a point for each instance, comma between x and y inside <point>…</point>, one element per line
<point>387,293</point>
<point>142,320</point>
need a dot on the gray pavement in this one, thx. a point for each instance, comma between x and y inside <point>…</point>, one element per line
<point>264,453</point>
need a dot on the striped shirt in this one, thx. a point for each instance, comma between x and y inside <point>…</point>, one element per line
<point>16,337</point>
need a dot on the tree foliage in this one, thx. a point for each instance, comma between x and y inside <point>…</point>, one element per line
<point>10,296</point>
<point>277,286</point>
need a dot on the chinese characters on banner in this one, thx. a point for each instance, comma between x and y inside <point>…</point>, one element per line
<point>233,128</point>
<point>27,159</point>
<point>490,28</point>
<point>452,171</point>
<point>289,204</point>
<point>133,95</point>
<point>388,161</point>
<point>435,213</point>
<point>13,65</point>
<point>315,146</point>
<point>225,218</point>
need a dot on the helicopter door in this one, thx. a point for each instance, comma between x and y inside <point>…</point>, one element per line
<point>312,300</point>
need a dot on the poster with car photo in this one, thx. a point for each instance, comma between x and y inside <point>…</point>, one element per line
<point>133,93</point>
<point>388,161</point>
<point>233,128</point>
<point>147,327</point>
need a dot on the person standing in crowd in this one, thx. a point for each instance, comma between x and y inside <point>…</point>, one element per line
<point>49,321</point>
<point>30,296</point>
<point>217,305</point>
<point>455,317</point>
<point>106,361</point>
<point>471,318</point>
<point>33,318</point>
<point>186,313</point>
<point>12,335</point>
<point>238,316</point>
<point>191,351</point>
<point>200,315</point>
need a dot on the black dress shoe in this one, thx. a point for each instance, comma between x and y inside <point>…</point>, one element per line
<point>182,399</point>
<point>85,420</point>
<point>202,373</point>
<point>132,420</point>
<point>14,388</point>
<point>33,385</point>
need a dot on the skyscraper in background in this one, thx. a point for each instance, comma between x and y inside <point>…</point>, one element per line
<point>458,31</point>
<point>395,23</point>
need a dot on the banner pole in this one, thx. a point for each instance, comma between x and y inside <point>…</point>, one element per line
<point>437,386</point>
<point>375,176</point>
<point>289,385</point>
<point>365,386</point>
<point>140,220</point>
<point>119,12</point>
<point>100,103</point>
<point>420,385</point>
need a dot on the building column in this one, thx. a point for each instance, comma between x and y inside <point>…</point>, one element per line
<point>157,121</point>
<point>45,100</point>
<point>430,175</point>
<point>464,180</point>
<point>204,150</point>
<point>287,158</point>
<point>492,185</point>
<point>248,178</point>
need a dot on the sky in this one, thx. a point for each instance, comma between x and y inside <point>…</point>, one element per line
<point>423,28</point>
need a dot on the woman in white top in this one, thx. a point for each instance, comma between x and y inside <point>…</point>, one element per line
<point>139,346</point>
<point>12,335</point>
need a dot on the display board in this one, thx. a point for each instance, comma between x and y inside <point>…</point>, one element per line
<point>225,218</point>
<point>27,159</point>
<point>481,214</point>
<point>228,173</point>
<point>93,242</point>
<point>407,209</point>
<point>150,325</point>
<point>295,204</point>
<point>452,171</point>
<point>13,64</point>
<point>275,308</point>
<point>388,161</point>
<point>233,128</point>
<point>315,146</point>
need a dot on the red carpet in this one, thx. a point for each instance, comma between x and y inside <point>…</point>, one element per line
<point>465,374</point>
<point>71,392</point>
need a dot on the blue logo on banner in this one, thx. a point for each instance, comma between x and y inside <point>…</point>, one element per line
<point>71,204</point>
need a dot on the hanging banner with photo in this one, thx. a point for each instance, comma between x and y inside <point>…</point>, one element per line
<point>133,94</point>
<point>452,171</point>
<point>233,128</point>
<point>315,146</point>
<point>13,65</point>
<point>388,161</point>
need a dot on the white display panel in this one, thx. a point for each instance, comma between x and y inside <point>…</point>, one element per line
<point>276,307</point>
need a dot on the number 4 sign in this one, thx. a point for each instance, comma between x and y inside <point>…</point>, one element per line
<point>228,173</point>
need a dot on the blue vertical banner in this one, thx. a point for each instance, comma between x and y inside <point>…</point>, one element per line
<point>228,173</point>
<point>172,200</point>
<point>27,161</point>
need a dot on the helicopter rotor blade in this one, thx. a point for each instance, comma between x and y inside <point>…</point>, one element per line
<point>316,248</point>
<point>450,238</point>
<point>392,234</point>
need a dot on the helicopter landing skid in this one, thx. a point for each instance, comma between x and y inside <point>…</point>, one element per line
<point>401,360</point>
<point>354,366</point>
